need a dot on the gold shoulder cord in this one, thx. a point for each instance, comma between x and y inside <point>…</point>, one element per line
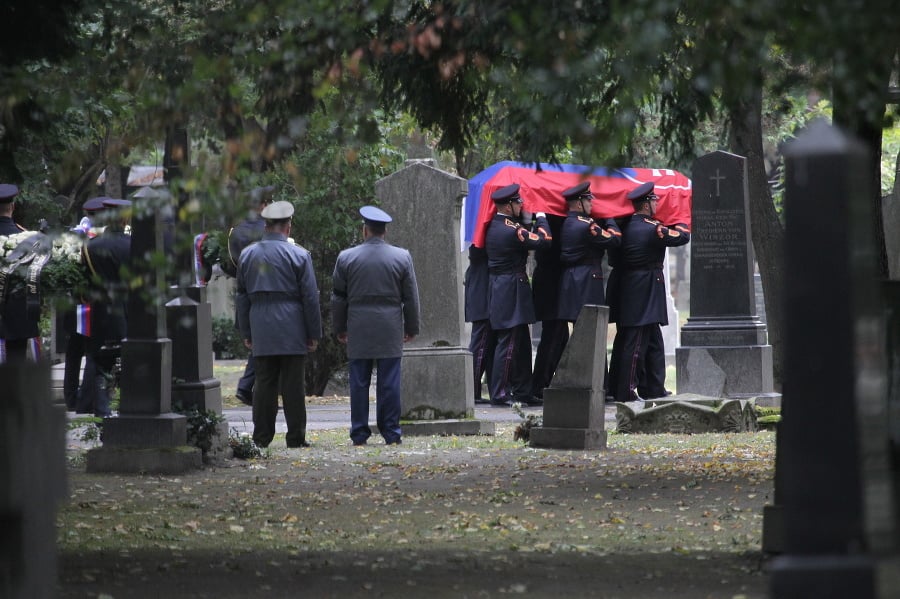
<point>87,256</point>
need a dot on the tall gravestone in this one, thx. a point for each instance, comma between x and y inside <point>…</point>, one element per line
<point>425,202</point>
<point>836,488</point>
<point>145,436</point>
<point>32,481</point>
<point>724,350</point>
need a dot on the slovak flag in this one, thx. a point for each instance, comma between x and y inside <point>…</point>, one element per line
<point>541,187</point>
<point>83,319</point>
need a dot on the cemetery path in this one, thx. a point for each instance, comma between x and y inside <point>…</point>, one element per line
<point>665,516</point>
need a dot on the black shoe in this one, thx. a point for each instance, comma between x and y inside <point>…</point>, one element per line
<point>394,442</point>
<point>244,397</point>
<point>532,401</point>
<point>296,445</point>
<point>501,403</point>
<point>665,393</point>
<point>358,443</point>
<point>482,400</point>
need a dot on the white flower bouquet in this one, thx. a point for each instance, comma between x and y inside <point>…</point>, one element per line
<point>53,261</point>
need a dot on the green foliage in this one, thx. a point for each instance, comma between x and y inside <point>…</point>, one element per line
<point>202,426</point>
<point>226,340</point>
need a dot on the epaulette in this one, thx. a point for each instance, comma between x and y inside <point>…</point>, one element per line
<point>21,228</point>
<point>511,223</point>
<point>585,219</point>
<point>651,221</point>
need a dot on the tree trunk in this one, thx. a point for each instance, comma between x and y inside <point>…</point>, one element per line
<point>767,232</point>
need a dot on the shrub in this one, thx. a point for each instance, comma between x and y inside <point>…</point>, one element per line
<point>227,342</point>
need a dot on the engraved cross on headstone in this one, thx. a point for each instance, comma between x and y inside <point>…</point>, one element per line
<point>718,179</point>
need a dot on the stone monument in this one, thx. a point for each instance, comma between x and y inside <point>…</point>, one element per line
<point>574,404</point>
<point>840,533</point>
<point>436,379</point>
<point>145,436</point>
<point>724,350</point>
<point>32,481</point>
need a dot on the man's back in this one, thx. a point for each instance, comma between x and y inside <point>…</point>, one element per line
<point>376,298</point>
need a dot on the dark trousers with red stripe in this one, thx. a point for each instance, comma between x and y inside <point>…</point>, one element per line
<point>511,370</point>
<point>482,345</point>
<point>554,337</point>
<point>638,363</point>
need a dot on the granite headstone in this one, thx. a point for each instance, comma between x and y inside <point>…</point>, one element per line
<point>839,514</point>
<point>724,350</point>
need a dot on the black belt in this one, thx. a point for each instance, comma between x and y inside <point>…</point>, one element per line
<point>506,271</point>
<point>647,267</point>
<point>598,262</point>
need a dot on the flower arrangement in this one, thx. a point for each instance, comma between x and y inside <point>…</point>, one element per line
<point>61,273</point>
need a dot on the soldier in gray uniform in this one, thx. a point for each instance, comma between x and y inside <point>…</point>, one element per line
<point>375,310</point>
<point>277,305</point>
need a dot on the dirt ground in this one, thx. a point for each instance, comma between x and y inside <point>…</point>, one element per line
<point>667,516</point>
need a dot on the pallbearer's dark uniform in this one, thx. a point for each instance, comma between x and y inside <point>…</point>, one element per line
<point>638,363</point>
<point>18,324</point>
<point>511,305</point>
<point>584,242</point>
<point>477,311</point>
<point>108,257</point>
<point>554,330</point>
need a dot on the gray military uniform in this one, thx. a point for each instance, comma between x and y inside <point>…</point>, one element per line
<point>381,304</point>
<point>276,284</point>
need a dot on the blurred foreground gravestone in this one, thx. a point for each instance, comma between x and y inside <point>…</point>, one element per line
<point>834,475</point>
<point>145,436</point>
<point>32,481</point>
<point>436,377</point>
<point>724,348</point>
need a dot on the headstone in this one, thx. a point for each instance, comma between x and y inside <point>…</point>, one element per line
<point>724,350</point>
<point>145,436</point>
<point>685,414</point>
<point>840,528</point>
<point>32,481</point>
<point>574,404</point>
<point>436,376</point>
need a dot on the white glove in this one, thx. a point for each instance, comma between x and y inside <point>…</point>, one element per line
<point>540,215</point>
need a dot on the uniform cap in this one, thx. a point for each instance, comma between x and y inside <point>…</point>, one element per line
<point>115,203</point>
<point>637,194</point>
<point>7,192</point>
<point>94,204</point>
<point>507,194</point>
<point>575,193</point>
<point>278,211</point>
<point>375,215</point>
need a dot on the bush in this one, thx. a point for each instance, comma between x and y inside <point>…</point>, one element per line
<point>227,342</point>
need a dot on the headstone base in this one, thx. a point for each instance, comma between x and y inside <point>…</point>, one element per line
<point>423,428</point>
<point>436,383</point>
<point>835,576</point>
<point>573,408</point>
<point>686,415</point>
<point>738,372</point>
<point>144,460</point>
<point>138,430</point>
<point>201,395</point>
<point>567,438</point>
